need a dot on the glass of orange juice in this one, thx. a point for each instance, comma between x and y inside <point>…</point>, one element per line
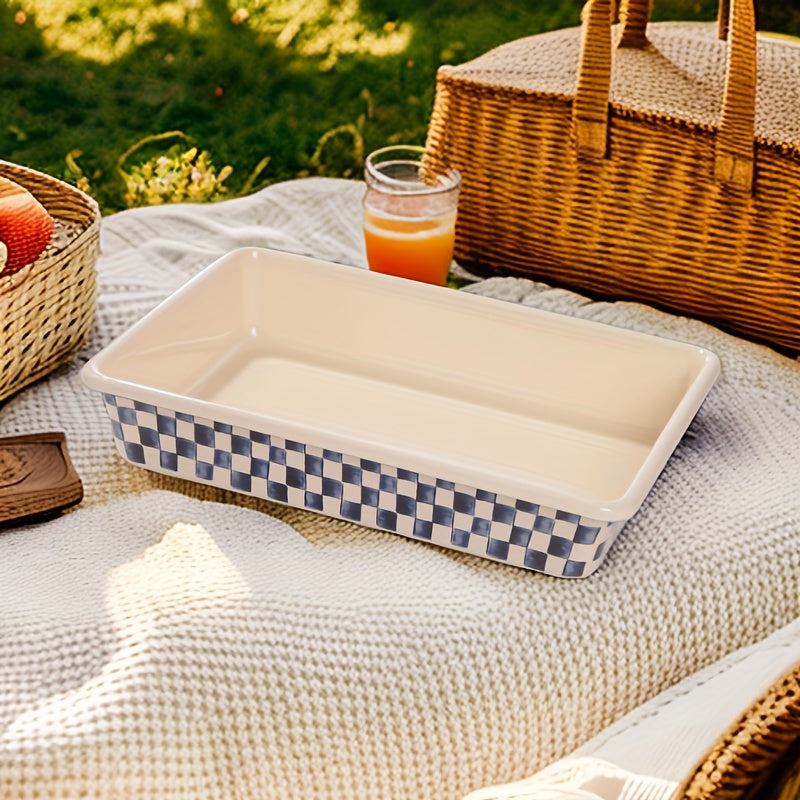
<point>409,214</point>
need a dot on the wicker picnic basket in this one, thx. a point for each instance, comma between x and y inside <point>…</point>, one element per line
<point>655,162</point>
<point>48,306</point>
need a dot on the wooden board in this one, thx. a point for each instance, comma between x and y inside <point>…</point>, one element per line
<point>36,477</point>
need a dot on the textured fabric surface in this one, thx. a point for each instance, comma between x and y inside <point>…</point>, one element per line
<point>706,726</point>
<point>168,640</point>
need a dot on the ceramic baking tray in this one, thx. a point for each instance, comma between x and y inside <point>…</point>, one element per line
<point>488,427</point>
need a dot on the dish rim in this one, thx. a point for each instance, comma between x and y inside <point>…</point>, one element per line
<point>511,482</point>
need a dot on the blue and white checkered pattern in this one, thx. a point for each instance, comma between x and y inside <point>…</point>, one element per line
<point>442,512</point>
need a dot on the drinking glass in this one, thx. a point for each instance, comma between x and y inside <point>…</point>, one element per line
<point>409,214</point>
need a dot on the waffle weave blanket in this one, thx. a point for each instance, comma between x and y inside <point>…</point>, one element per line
<point>168,640</point>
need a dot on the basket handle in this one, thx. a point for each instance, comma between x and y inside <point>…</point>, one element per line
<point>733,157</point>
<point>636,15</point>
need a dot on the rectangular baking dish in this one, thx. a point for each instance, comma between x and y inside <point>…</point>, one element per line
<point>510,433</point>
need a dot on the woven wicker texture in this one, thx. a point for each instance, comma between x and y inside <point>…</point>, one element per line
<point>48,306</point>
<point>624,171</point>
<point>744,761</point>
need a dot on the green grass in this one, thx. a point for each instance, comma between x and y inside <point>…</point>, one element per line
<point>275,89</point>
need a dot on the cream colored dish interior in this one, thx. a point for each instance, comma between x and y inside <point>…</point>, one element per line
<point>444,382</point>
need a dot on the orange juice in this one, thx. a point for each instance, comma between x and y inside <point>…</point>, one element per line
<point>419,248</point>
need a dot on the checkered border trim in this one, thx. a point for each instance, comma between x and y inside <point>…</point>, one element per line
<point>442,512</point>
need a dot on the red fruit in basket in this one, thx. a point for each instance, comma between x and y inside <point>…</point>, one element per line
<point>25,225</point>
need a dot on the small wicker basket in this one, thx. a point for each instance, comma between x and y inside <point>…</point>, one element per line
<point>48,306</point>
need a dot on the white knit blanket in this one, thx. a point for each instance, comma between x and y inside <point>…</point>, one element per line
<point>167,640</point>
